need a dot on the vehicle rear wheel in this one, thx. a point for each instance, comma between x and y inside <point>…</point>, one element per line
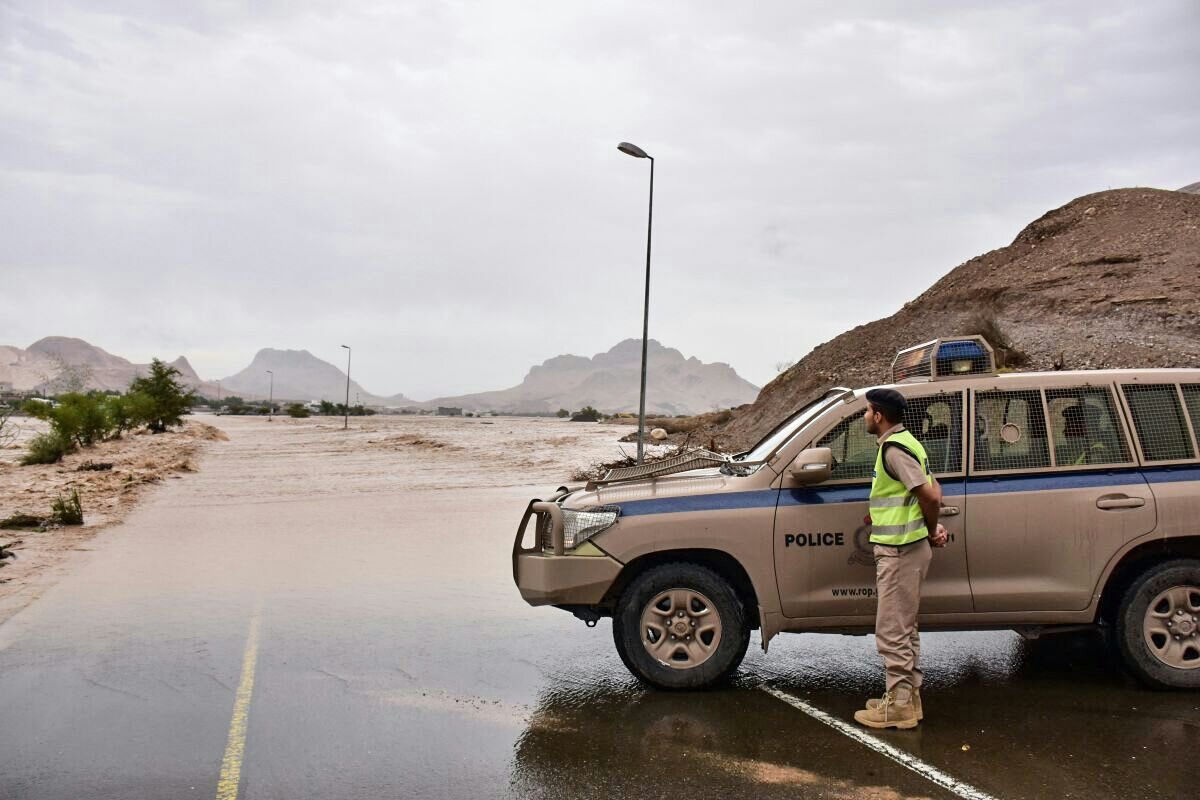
<point>1158,625</point>
<point>681,626</point>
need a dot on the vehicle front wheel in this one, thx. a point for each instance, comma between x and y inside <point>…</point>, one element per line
<point>681,626</point>
<point>1158,625</point>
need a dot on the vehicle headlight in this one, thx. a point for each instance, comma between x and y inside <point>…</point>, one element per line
<point>581,525</point>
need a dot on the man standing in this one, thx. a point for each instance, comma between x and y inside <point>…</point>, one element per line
<point>905,500</point>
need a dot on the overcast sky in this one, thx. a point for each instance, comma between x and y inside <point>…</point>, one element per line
<point>437,183</point>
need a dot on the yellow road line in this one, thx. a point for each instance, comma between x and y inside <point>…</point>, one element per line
<point>231,765</point>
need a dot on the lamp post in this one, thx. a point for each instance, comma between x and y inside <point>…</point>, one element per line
<point>346,420</point>
<point>271,398</point>
<point>637,152</point>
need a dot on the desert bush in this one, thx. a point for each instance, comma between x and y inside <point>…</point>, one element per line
<point>165,401</point>
<point>67,510</point>
<point>563,413</point>
<point>79,418</point>
<point>586,414</point>
<point>297,410</point>
<point>47,448</point>
<point>125,412</point>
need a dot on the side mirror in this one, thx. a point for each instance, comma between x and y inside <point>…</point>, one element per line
<point>814,465</point>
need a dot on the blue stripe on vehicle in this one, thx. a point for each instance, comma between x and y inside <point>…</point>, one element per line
<point>1000,484</point>
<point>990,484</point>
<point>1172,474</point>
<point>700,502</point>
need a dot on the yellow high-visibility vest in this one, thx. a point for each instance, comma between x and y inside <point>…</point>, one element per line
<point>896,516</point>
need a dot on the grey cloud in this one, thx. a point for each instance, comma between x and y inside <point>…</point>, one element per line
<point>440,180</point>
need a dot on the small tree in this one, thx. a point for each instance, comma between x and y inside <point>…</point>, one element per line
<point>166,400</point>
<point>78,418</point>
<point>563,413</point>
<point>297,410</point>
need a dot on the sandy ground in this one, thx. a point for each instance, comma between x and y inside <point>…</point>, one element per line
<point>373,454</point>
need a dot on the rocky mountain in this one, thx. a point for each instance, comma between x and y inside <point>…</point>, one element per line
<point>59,363</point>
<point>301,376</point>
<point>1110,280</point>
<point>610,382</point>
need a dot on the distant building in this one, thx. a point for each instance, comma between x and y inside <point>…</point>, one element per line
<point>449,411</point>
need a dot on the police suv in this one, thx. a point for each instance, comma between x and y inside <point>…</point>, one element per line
<point>1072,499</point>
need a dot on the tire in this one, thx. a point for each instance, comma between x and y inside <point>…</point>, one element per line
<point>694,661</point>
<point>1179,666</point>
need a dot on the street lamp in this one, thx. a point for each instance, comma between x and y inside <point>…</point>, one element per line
<point>346,421</point>
<point>271,398</point>
<point>637,152</point>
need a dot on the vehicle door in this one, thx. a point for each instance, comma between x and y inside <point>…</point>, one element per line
<point>824,560</point>
<point>1053,491</point>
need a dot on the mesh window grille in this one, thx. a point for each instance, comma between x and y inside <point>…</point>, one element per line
<point>1158,420</point>
<point>1191,396</point>
<point>1085,429</point>
<point>853,448</point>
<point>937,423</point>
<point>1010,431</point>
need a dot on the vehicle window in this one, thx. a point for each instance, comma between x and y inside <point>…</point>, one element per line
<point>1158,420</point>
<point>937,423</point>
<point>1010,431</point>
<point>853,448</point>
<point>1191,396</point>
<point>1083,422</point>
<point>784,430</point>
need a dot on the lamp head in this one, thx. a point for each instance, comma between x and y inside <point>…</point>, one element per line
<point>632,150</point>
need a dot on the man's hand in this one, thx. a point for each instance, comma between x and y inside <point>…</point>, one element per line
<point>940,536</point>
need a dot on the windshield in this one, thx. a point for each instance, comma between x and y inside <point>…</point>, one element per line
<point>784,430</point>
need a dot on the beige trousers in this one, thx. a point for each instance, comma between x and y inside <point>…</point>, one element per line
<point>899,573</point>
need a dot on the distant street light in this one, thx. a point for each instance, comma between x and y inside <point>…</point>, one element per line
<point>271,400</point>
<point>637,152</point>
<point>346,421</point>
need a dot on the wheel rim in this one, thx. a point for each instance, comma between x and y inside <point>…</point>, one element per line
<point>1172,627</point>
<point>681,628</point>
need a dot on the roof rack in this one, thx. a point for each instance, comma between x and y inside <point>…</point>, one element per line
<point>944,359</point>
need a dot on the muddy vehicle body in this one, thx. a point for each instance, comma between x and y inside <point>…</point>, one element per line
<point>1072,500</point>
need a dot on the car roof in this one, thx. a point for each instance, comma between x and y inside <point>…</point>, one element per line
<point>1056,377</point>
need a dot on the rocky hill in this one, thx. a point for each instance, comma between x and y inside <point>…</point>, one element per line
<point>1110,280</point>
<point>59,363</point>
<point>301,376</point>
<point>610,382</point>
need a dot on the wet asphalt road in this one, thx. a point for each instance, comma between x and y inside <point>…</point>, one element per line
<point>395,659</point>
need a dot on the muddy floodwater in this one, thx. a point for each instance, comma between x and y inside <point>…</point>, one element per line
<point>319,613</point>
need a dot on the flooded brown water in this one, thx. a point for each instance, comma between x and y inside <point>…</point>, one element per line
<point>394,657</point>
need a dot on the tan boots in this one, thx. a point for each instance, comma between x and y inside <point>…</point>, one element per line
<point>887,712</point>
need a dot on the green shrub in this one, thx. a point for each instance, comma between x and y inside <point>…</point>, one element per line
<point>163,400</point>
<point>82,419</point>
<point>125,412</point>
<point>297,410</point>
<point>47,448</point>
<point>67,510</point>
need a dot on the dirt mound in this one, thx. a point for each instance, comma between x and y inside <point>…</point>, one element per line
<point>1107,281</point>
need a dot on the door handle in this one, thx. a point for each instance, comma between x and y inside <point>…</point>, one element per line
<point>1111,501</point>
<point>948,511</point>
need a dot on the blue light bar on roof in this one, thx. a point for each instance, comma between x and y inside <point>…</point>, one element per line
<point>944,358</point>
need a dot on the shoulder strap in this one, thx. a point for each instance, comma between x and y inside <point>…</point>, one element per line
<point>901,448</point>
